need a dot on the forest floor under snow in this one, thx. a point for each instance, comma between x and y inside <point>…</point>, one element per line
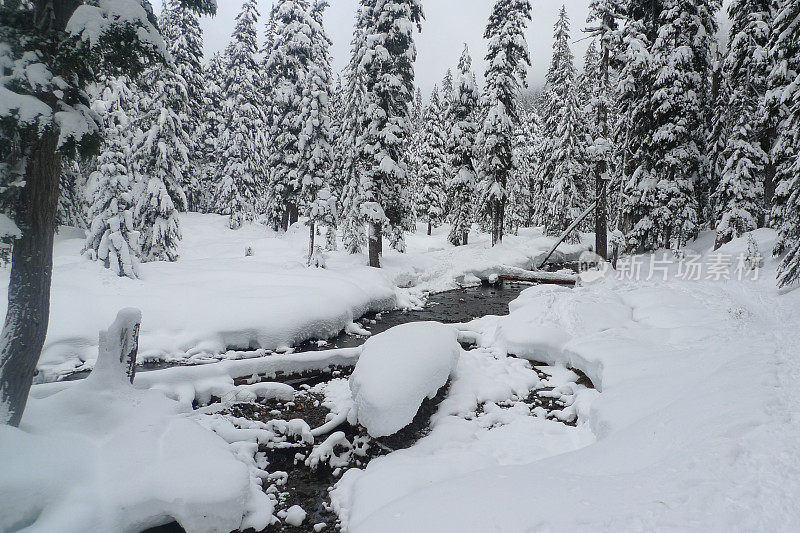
<point>692,423</point>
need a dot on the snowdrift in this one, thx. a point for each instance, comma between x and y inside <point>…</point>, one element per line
<point>397,370</point>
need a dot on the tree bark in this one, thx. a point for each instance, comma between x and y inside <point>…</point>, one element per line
<point>312,237</point>
<point>498,216</point>
<point>31,273</point>
<point>430,228</point>
<point>375,245</point>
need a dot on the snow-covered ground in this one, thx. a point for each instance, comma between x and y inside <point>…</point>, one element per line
<point>695,426</point>
<point>215,299</point>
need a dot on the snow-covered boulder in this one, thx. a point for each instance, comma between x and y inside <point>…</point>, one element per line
<point>397,370</point>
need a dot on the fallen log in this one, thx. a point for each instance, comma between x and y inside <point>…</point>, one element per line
<point>532,276</point>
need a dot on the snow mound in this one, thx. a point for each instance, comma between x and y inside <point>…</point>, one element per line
<point>99,458</point>
<point>397,370</point>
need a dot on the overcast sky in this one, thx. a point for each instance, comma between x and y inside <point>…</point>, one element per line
<point>448,25</point>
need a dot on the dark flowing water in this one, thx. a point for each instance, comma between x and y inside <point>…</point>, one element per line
<point>451,307</point>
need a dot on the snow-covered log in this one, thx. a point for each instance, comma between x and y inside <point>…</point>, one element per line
<point>397,370</point>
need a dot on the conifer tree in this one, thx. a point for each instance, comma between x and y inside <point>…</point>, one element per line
<point>785,85</point>
<point>71,200</point>
<point>387,71</point>
<point>737,199</point>
<point>112,237</point>
<point>289,77</point>
<point>681,106</point>
<point>316,160</point>
<point>603,17</point>
<point>432,194</point>
<point>160,160</point>
<point>214,120</point>
<point>349,151</point>
<point>634,133</point>
<point>184,39</point>
<point>565,160</point>
<point>241,140</point>
<point>507,60</point>
<point>463,130</point>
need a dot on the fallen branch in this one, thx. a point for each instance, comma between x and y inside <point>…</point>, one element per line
<point>532,276</point>
<point>332,424</point>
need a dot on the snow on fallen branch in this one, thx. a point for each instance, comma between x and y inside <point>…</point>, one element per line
<point>190,384</point>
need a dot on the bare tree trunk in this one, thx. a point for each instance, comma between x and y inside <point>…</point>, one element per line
<point>31,273</point>
<point>312,236</point>
<point>465,239</point>
<point>498,212</point>
<point>375,244</point>
<point>430,228</point>
<point>294,215</point>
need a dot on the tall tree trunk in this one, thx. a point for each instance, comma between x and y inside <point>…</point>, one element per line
<point>31,273</point>
<point>375,244</point>
<point>430,228</point>
<point>465,239</point>
<point>601,184</point>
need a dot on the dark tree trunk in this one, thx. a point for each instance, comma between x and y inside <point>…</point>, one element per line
<point>294,214</point>
<point>465,239</point>
<point>430,228</point>
<point>31,273</point>
<point>312,236</point>
<point>375,245</point>
<point>498,222</point>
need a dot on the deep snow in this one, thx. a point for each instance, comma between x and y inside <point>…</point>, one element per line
<point>695,427</point>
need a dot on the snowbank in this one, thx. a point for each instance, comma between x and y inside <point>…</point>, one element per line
<point>212,300</point>
<point>103,456</point>
<point>215,299</point>
<point>696,424</point>
<point>397,370</point>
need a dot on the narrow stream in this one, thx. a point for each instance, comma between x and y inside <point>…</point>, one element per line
<point>309,488</point>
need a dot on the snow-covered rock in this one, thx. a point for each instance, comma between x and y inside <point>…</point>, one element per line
<point>397,370</point>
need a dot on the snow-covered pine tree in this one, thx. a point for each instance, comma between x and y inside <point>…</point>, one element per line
<point>463,130</point>
<point>184,39</point>
<point>213,123</point>
<point>507,61</point>
<point>737,198</point>
<point>348,150</point>
<point>565,161</point>
<point>603,18</point>
<point>316,158</point>
<point>587,86</point>
<point>432,194</point>
<point>160,160</point>
<point>785,85</point>
<point>112,237</point>
<point>518,211</point>
<point>71,199</point>
<point>288,70</point>
<point>634,133</point>
<point>241,140</point>
<point>681,107</point>
<point>387,71</point>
